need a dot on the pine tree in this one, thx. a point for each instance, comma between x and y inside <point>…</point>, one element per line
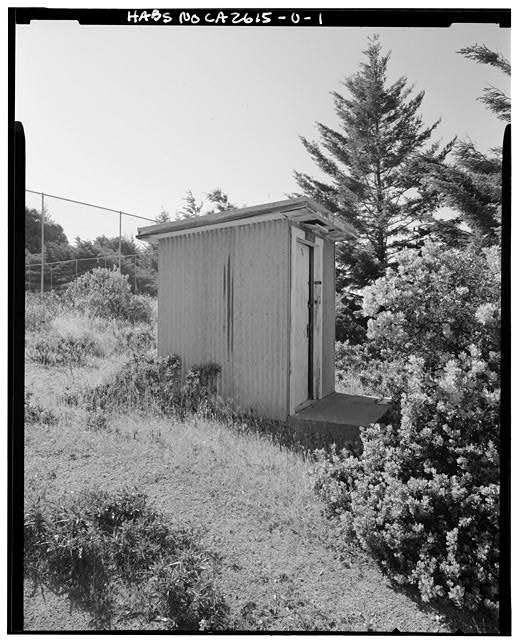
<point>472,184</point>
<point>375,162</point>
<point>495,99</point>
<point>163,216</point>
<point>220,199</point>
<point>193,207</point>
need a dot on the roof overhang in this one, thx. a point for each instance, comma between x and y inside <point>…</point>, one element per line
<point>303,211</point>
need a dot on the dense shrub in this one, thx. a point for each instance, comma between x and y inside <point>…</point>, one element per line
<point>55,349</point>
<point>105,293</point>
<point>424,495</point>
<point>432,307</point>
<point>104,549</point>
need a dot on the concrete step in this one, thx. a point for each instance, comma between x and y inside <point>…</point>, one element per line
<point>337,418</point>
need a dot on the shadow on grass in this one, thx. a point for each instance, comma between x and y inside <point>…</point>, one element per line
<point>460,622</point>
<point>280,433</point>
<point>478,622</point>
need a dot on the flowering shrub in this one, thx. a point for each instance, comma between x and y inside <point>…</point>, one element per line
<point>105,293</point>
<point>434,305</point>
<point>423,497</point>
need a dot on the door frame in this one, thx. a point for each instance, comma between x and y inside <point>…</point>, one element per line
<point>315,352</point>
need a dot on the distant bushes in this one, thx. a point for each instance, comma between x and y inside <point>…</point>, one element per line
<point>105,293</point>
<point>423,497</point>
<point>117,558</point>
<point>100,293</point>
<point>96,316</point>
<point>40,310</point>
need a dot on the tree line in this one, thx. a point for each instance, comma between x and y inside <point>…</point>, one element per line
<point>72,260</point>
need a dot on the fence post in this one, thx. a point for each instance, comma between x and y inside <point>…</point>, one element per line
<point>42,242</point>
<point>135,274</point>
<point>50,278</point>
<point>120,241</point>
<point>76,267</point>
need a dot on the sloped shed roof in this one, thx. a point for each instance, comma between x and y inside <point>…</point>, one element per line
<point>301,210</point>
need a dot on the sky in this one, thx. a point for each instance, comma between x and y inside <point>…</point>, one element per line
<point>132,117</point>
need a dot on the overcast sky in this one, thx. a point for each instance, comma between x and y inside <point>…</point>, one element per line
<point>133,117</point>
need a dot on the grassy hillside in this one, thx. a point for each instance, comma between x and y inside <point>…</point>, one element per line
<point>277,560</point>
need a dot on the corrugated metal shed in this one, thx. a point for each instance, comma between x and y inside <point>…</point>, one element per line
<point>222,299</point>
<point>328,319</point>
<point>226,296</point>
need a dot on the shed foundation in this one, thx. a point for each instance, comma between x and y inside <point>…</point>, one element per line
<point>337,418</point>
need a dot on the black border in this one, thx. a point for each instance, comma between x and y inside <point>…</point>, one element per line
<point>16,342</point>
<point>437,18</point>
<point>331,17</point>
<point>504,621</point>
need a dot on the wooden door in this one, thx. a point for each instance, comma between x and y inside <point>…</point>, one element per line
<point>301,342</point>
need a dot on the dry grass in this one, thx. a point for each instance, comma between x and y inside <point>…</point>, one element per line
<point>253,500</point>
<point>255,504</point>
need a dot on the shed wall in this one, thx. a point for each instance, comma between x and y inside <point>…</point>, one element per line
<point>224,297</point>
<point>328,324</point>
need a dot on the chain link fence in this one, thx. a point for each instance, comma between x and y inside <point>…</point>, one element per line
<point>141,269</point>
<point>60,261</point>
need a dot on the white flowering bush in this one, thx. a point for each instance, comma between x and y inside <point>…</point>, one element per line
<point>423,497</point>
<point>434,305</point>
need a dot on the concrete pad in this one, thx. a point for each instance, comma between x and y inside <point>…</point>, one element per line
<point>344,409</point>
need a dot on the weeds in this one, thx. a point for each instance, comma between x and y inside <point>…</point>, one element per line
<point>144,383</point>
<point>53,349</point>
<point>36,414</point>
<point>138,338</point>
<point>97,420</point>
<point>103,546</point>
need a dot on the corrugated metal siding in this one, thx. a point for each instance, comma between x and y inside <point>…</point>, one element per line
<point>224,297</point>
<point>328,325</point>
